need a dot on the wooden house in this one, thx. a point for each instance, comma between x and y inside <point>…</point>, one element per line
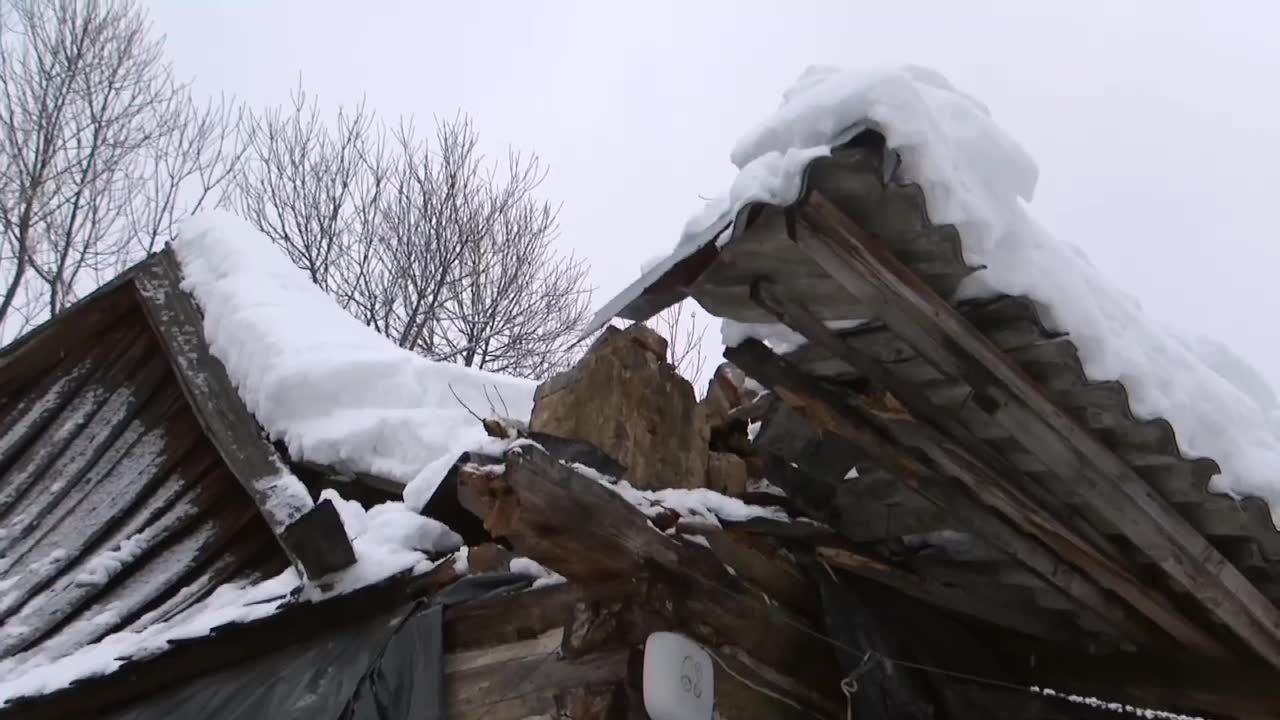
<point>932,515</point>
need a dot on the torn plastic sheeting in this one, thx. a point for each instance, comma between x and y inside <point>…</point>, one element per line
<point>389,667</point>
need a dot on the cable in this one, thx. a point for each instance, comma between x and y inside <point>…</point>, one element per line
<point>542,661</point>
<point>1029,689</point>
<point>748,683</point>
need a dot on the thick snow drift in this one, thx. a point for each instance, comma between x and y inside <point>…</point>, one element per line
<point>334,390</point>
<point>978,178</point>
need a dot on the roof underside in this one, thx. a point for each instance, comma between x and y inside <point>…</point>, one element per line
<point>116,510</point>
<point>940,545</point>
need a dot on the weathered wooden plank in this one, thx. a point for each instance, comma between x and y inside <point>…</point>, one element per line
<point>230,425</point>
<point>483,691</point>
<point>827,410</point>
<point>856,259</point>
<point>1226,689</point>
<point>763,564</point>
<point>1010,322</point>
<point>548,643</point>
<point>512,618</point>
<point>990,603</point>
<point>537,504</point>
<point>937,432</point>
<point>872,522</point>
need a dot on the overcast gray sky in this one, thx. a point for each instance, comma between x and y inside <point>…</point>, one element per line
<point>1154,123</point>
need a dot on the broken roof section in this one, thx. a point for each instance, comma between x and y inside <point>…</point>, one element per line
<point>141,503</point>
<point>331,388</point>
<point>891,201</point>
<point>133,482</point>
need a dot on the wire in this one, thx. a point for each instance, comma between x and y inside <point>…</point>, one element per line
<point>867,657</point>
<point>542,661</point>
<point>1032,690</point>
<point>748,683</point>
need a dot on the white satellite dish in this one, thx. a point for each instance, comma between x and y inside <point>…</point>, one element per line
<point>679,679</point>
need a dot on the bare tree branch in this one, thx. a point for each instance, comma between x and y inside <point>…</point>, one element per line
<point>102,150</point>
<point>447,254</point>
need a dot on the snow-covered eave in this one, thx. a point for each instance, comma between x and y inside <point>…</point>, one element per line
<point>311,535</point>
<point>666,283</point>
<point>670,280</point>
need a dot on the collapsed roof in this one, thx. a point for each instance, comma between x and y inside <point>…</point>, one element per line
<point>1009,418</point>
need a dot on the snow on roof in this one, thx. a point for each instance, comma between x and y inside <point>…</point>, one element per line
<point>976,177</point>
<point>334,390</point>
<point>388,539</point>
<point>337,393</point>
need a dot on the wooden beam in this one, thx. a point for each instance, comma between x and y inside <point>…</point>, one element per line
<point>869,271</point>
<point>991,604</point>
<point>826,408</point>
<point>590,534</point>
<point>997,483</point>
<point>759,561</point>
<point>529,686</point>
<point>318,545</point>
<point>1161,681</point>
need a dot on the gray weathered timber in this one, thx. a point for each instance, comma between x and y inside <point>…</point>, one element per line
<point>959,454</point>
<point>1004,391</point>
<point>229,424</point>
<point>826,409</point>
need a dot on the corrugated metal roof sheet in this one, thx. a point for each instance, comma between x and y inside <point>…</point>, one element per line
<point>861,179</point>
<point>115,510</point>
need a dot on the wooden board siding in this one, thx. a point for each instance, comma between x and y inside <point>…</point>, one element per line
<point>114,509</point>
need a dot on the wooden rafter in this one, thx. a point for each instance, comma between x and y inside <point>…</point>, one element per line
<point>315,542</point>
<point>827,409</point>
<point>959,454</point>
<point>991,603</point>
<point>938,333</point>
<point>539,505</point>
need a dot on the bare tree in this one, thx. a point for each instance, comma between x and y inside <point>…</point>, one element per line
<point>97,141</point>
<point>684,332</point>
<point>183,171</point>
<point>306,184</point>
<point>445,253</point>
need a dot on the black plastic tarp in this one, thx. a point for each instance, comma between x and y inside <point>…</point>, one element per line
<point>875,626</point>
<point>386,667</point>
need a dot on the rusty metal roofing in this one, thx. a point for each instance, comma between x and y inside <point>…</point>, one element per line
<point>878,511</point>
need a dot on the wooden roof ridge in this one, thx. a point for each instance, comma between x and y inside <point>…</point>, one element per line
<point>316,542</point>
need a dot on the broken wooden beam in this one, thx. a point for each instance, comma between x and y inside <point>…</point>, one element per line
<point>949,445</point>
<point>825,407</point>
<point>991,604</point>
<point>936,331</point>
<point>590,534</point>
<point>313,538</point>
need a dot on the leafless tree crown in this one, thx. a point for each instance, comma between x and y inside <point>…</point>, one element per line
<point>684,332</point>
<point>421,238</point>
<point>103,151</point>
